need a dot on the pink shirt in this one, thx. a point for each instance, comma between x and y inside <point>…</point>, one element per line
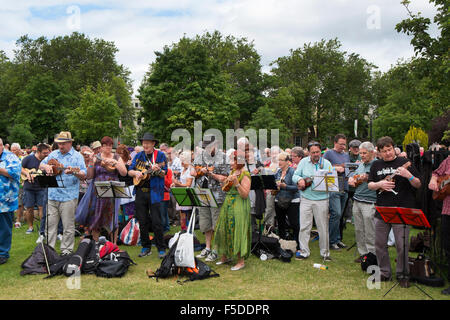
<point>444,169</point>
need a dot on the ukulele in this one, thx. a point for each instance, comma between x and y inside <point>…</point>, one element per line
<point>32,172</point>
<point>360,179</point>
<point>228,182</point>
<point>392,176</point>
<point>108,167</point>
<point>199,172</point>
<point>308,183</point>
<point>58,167</point>
<point>443,186</point>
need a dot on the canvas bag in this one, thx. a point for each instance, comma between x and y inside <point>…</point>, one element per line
<point>184,253</point>
<point>130,234</point>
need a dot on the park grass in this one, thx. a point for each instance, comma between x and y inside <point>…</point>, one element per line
<point>259,280</point>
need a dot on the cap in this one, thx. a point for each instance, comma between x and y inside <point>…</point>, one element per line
<point>354,144</point>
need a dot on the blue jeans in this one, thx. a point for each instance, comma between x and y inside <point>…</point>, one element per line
<point>337,204</point>
<point>164,206</point>
<point>6,223</point>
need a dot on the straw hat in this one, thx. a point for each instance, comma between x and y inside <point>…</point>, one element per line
<point>64,136</point>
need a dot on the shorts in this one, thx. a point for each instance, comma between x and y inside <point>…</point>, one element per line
<point>208,218</point>
<point>34,198</point>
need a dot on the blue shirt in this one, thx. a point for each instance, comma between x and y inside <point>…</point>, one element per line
<point>70,185</point>
<point>156,184</point>
<point>307,169</point>
<point>9,187</point>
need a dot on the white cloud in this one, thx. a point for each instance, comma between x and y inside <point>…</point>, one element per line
<point>140,27</point>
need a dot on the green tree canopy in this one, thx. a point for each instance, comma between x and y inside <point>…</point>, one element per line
<point>97,116</point>
<point>321,90</point>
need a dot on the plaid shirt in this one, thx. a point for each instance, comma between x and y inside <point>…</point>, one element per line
<point>444,169</point>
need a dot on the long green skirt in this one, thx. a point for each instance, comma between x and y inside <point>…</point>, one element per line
<point>233,228</point>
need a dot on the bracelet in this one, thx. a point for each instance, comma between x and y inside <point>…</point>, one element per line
<point>411,179</point>
<point>90,166</point>
<point>238,185</point>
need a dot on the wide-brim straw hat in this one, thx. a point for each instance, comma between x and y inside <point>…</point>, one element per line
<point>64,136</point>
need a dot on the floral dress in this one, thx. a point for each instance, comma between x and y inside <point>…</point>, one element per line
<point>233,230</point>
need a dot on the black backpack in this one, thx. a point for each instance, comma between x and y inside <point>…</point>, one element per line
<point>368,260</point>
<point>167,267</point>
<point>114,265</point>
<point>200,272</point>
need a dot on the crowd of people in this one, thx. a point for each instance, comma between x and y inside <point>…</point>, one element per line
<point>290,211</point>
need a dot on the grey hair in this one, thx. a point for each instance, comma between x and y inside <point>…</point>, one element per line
<point>368,146</point>
<point>1,141</point>
<point>298,151</point>
<point>15,144</point>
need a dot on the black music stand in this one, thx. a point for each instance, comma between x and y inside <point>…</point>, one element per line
<point>112,190</point>
<point>262,182</point>
<point>194,197</point>
<point>47,181</point>
<point>404,216</point>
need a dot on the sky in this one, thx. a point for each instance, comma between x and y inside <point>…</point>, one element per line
<point>140,27</point>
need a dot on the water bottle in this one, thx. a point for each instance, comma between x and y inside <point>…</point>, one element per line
<point>320,266</point>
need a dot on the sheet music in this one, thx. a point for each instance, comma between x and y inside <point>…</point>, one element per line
<point>326,181</point>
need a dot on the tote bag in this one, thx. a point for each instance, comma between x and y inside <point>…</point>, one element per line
<point>184,253</point>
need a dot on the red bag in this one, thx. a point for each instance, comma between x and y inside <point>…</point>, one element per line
<point>107,248</point>
<point>130,234</point>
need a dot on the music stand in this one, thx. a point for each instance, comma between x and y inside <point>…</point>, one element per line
<point>404,216</point>
<point>47,181</point>
<point>262,182</point>
<point>112,190</point>
<point>194,197</point>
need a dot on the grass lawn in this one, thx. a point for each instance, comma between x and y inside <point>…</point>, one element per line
<point>259,280</point>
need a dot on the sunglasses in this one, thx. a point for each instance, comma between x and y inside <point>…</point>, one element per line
<point>313,144</point>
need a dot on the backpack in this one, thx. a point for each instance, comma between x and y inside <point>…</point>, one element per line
<point>91,260</point>
<point>167,267</point>
<point>368,260</point>
<point>114,265</point>
<point>421,270</point>
<point>200,272</point>
<point>36,263</point>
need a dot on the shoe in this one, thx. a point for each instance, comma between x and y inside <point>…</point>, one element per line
<point>327,258</point>
<point>334,247</point>
<point>17,225</point>
<point>341,245</point>
<point>446,291</point>
<point>298,256</point>
<point>404,283</point>
<point>3,260</point>
<point>205,252</point>
<point>59,237</point>
<point>358,260</point>
<point>161,254</point>
<point>236,268</point>
<point>223,262</point>
<point>40,239</point>
<point>29,231</point>
<point>212,256</point>
<point>145,252</point>
<point>385,279</point>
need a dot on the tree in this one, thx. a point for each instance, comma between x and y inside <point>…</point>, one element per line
<point>265,118</point>
<point>21,133</point>
<point>97,116</point>
<point>321,90</point>
<point>43,106</point>
<point>184,85</point>
<point>416,135</point>
<point>238,58</point>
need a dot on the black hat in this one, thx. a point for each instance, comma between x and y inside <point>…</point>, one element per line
<point>149,137</point>
<point>208,140</point>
